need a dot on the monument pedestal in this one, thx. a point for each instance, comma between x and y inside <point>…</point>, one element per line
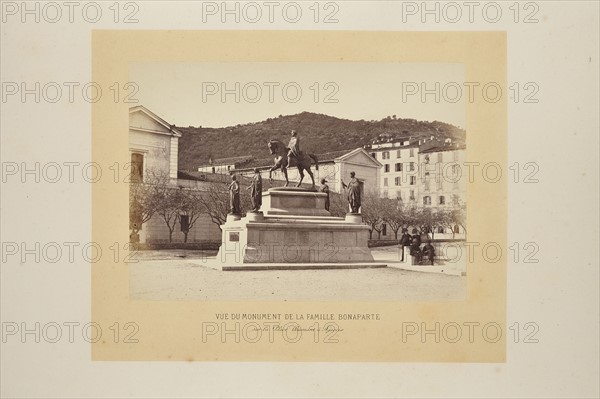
<point>294,231</point>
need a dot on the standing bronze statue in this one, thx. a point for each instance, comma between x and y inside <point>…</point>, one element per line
<point>291,155</point>
<point>325,189</point>
<point>234,196</point>
<point>353,191</point>
<point>256,190</point>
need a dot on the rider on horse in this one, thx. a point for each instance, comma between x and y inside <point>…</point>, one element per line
<point>284,156</point>
<point>294,148</point>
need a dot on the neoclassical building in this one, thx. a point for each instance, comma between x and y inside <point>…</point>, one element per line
<point>153,148</point>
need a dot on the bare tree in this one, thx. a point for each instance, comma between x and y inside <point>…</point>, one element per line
<point>456,215</point>
<point>145,198</point>
<point>214,201</point>
<point>338,204</point>
<point>412,217</point>
<point>372,211</point>
<point>394,215</point>
<point>192,208</point>
<point>169,209</point>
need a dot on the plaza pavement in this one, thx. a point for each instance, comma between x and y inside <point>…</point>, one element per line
<point>183,275</point>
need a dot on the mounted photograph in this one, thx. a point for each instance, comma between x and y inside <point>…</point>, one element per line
<point>302,196</point>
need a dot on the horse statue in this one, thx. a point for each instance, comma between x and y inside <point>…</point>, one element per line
<point>303,162</point>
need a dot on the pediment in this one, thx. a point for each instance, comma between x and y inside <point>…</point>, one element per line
<point>142,119</point>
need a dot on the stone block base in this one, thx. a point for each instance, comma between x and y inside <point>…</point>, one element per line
<point>294,230</point>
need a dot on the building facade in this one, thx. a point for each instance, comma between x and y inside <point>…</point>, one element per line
<point>224,165</point>
<point>153,143</point>
<point>422,171</point>
<point>399,173</point>
<point>153,148</point>
<point>441,176</point>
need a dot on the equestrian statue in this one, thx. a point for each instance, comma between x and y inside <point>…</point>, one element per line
<point>289,156</point>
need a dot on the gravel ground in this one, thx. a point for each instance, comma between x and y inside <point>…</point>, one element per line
<point>181,279</point>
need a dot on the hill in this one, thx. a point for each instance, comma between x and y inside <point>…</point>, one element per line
<point>319,134</point>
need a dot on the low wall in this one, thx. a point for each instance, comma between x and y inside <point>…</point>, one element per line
<point>436,243</point>
<point>196,246</point>
<point>382,243</point>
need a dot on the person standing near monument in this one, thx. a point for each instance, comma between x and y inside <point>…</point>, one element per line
<point>256,190</point>
<point>404,242</point>
<point>416,238</point>
<point>353,191</point>
<point>325,189</point>
<point>294,148</point>
<point>234,196</point>
<point>429,251</point>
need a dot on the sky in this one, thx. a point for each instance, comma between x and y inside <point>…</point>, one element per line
<point>227,94</point>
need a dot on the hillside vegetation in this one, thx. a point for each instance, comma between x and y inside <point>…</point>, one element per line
<point>319,134</point>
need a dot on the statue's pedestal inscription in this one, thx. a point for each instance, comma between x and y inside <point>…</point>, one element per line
<point>294,231</point>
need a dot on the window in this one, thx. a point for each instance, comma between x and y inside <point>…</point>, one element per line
<point>399,195</point>
<point>427,200</point>
<point>411,166</point>
<point>398,153</point>
<point>213,169</point>
<point>440,157</point>
<point>397,180</point>
<point>385,155</point>
<point>442,200</point>
<point>412,152</point>
<point>440,184</point>
<point>137,167</point>
<point>384,229</point>
<point>440,230</point>
<point>385,182</point>
<point>456,229</point>
<point>413,180</point>
<point>386,167</point>
<point>374,155</point>
<point>412,195</point>
<point>184,223</point>
<point>398,167</point>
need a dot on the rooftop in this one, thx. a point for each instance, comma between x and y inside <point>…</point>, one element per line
<point>229,161</point>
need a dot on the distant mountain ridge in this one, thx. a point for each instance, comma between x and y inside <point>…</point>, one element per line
<point>318,133</point>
